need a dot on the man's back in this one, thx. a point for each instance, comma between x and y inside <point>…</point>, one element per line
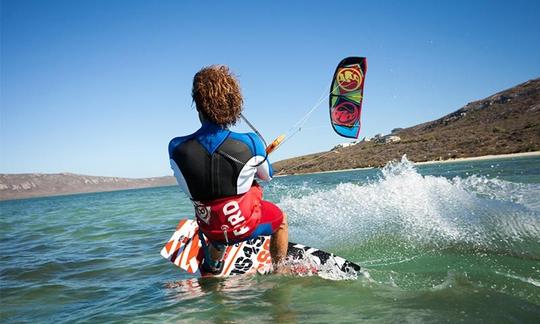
<point>214,162</point>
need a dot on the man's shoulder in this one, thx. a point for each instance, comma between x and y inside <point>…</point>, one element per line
<point>251,139</point>
<point>209,135</point>
<point>243,136</point>
<point>177,141</point>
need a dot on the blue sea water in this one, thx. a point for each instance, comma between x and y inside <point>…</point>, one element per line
<point>438,243</point>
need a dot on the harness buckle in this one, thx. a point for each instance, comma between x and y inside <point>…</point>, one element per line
<point>225,228</point>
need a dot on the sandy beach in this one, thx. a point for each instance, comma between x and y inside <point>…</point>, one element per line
<point>485,157</point>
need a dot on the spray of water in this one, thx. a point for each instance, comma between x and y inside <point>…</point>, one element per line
<point>416,210</point>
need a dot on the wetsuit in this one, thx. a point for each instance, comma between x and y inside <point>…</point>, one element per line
<point>216,169</point>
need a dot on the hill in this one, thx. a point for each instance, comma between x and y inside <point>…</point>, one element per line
<point>15,186</point>
<point>506,122</point>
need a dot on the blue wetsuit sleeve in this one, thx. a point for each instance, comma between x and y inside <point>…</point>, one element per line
<point>264,171</point>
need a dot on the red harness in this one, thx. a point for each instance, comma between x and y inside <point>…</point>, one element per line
<point>230,219</point>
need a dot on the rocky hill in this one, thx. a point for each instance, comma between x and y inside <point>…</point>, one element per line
<point>15,186</point>
<point>506,122</point>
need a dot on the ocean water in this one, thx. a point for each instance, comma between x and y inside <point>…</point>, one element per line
<point>438,243</point>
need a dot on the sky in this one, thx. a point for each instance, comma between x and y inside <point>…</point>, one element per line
<point>99,87</point>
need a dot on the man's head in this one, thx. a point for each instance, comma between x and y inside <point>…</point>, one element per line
<point>217,95</point>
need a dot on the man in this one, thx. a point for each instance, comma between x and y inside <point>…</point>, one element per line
<point>216,168</point>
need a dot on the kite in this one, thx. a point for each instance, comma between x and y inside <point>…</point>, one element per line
<point>346,94</point>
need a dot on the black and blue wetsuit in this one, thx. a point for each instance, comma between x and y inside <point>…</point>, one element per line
<point>214,162</point>
<point>216,169</point>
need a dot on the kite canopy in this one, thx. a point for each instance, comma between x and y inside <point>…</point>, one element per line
<point>346,96</point>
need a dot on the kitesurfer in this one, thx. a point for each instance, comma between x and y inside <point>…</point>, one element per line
<point>216,168</point>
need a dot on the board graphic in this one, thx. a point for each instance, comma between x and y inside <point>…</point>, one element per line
<point>248,257</point>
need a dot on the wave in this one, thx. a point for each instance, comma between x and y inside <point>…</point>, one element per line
<point>411,210</point>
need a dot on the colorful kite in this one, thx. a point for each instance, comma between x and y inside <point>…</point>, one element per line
<point>346,96</point>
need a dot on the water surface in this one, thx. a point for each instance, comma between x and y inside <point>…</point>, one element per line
<point>442,242</point>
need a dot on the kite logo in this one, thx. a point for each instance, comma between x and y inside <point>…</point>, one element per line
<point>346,114</point>
<point>346,94</point>
<point>349,78</point>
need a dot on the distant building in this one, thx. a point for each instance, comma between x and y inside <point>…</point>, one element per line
<point>391,139</point>
<point>385,139</point>
<point>343,145</point>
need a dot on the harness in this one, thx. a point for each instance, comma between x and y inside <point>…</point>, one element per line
<point>227,221</point>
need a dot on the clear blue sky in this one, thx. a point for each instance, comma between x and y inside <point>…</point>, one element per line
<point>100,87</point>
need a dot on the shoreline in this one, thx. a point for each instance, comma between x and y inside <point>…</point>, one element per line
<point>483,157</point>
<point>458,160</point>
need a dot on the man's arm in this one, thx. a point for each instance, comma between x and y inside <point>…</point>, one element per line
<point>264,170</point>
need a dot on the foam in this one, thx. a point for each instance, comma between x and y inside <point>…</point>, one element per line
<point>419,209</point>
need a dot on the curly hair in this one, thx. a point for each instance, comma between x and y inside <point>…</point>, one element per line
<point>217,94</point>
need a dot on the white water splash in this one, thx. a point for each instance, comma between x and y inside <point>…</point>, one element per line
<point>306,265</point>
<point>520,193</point>
<point>419,209</point>
<point>532,281</point>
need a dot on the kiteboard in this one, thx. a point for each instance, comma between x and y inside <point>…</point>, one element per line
<point>184,249</point>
